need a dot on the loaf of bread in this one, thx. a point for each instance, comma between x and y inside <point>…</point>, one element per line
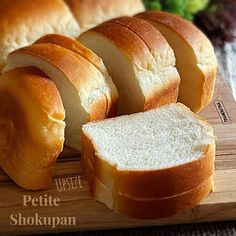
<point>139,60</point>
<point>31,127</point>
<point>91,13</point>
<point>24,21</point>
<point>158,154</point>
<point>195,57</point>
<point>85,92</point>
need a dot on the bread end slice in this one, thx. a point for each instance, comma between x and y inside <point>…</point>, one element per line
<point>31,127</point>
<point>195,57</point>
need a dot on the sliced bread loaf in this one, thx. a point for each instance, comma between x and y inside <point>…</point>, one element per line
<point>31,127</point>
<point>79,49</point>
<point>195,57</point>
<point>168,150</point>
<point>82,86</point>
<point>143,72</point>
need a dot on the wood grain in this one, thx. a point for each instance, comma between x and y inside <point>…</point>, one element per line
<point>91,215</point>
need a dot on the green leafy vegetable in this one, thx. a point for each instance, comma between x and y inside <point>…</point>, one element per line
<point>175,6</point>
<point>193,6</point>
<point>152,4</point>
<point>184,8</point>
<point>155,5</point>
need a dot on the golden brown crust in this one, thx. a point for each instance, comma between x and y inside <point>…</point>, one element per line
<point>145,47</point>
<point>162,54</point>
<point>97,111</point>
<point>32,127</point>
<point>90,13</point>
<point>146,208</point>
<point>164,96</point>
<point>165,207</point>
<point>131,45</point>
<point>113,109</point>
<point>75,47</point>
<point>70,65</point>
<point>208,87</point>
<point>167,182</point>
<point>37,88</point>
<point>78,70</point>
<point>204,59</point>
<point>158,183</point>
<point>149,34</point>
<point>18,21</point>
<point>89,160</point>
<point>189,32</point>
<point>83,88</point>
<point>87,153</point>
<point>81,50</point>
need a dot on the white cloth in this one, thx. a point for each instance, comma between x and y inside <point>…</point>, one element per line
<point>227,65</point>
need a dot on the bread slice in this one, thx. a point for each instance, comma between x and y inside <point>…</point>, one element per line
<point>148,208</point>
<point>195,57</point>
<point>79,49</point>
<point>164,207</point>
<point>31,127</point>
<point>168,150</point>
<point>91,13</point>
<point>82,86</point>
<point>24,21</point>
<point>145,77</point>
<point>163,59</point>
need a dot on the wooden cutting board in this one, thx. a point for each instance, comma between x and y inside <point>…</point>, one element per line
<point>76,210</point>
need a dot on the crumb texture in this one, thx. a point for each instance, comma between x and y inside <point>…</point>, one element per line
<point>159,138</point>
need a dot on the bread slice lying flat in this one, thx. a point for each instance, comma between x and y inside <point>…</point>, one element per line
<point>164,207</point>
<point>78,48</point>
<point>31,127</point>
<point>195,57</point>
<point>143,72</point>
<point>155,154</point>
<point>91,13</point>
<point>82,86</point>
<point>147,208</point>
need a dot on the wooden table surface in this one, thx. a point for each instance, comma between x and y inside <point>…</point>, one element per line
<point>75,200</point>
